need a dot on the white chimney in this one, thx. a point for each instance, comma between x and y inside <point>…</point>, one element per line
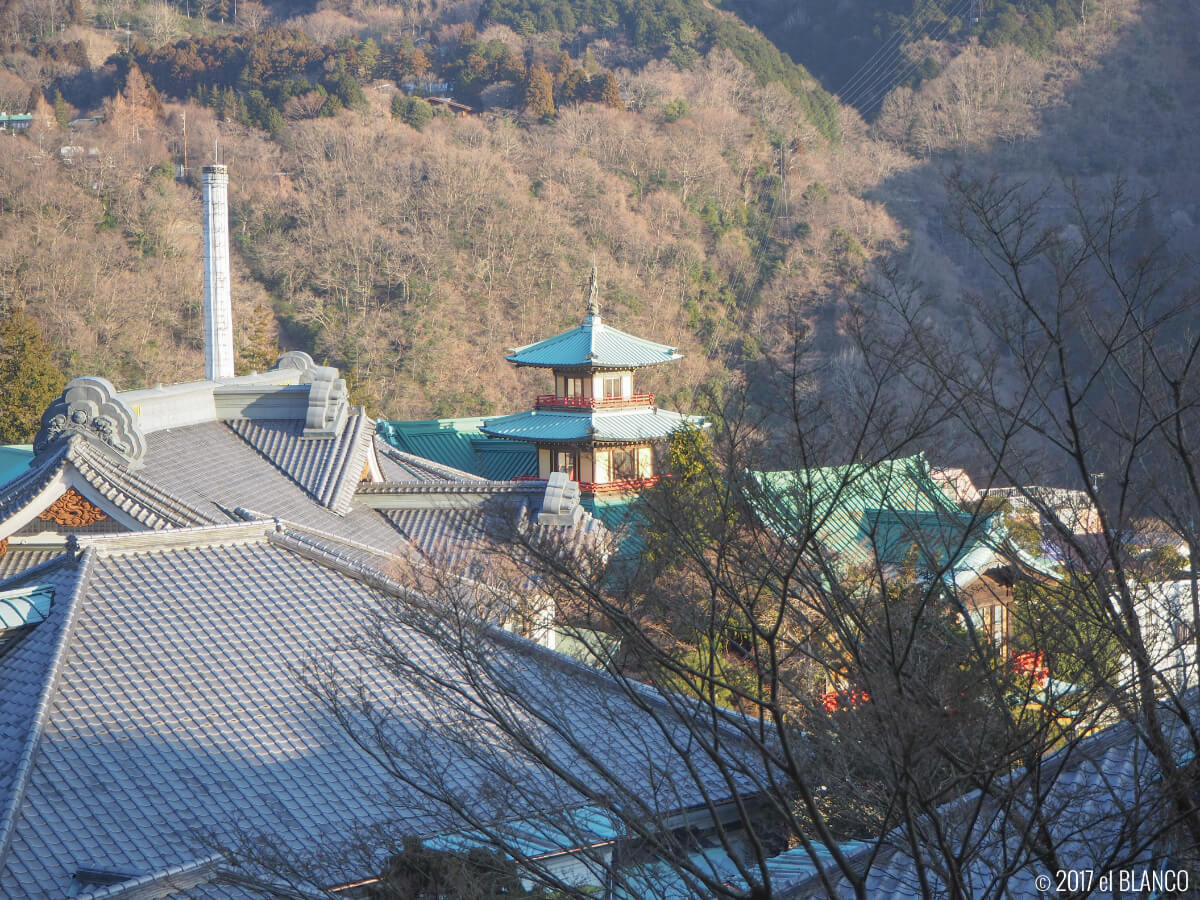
<point>218,308</point>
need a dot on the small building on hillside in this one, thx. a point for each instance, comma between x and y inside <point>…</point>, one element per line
<point>15,121</point>
<point>456,109</point>
<point>894,515</point>
<point>595,427</point>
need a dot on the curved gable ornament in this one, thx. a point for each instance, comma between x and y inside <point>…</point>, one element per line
<point>90,407</point>
<point>328,398</point>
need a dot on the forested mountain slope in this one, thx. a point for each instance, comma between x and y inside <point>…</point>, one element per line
<point>723,212</point>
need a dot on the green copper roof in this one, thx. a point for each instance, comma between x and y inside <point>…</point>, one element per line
<point>891,511</point>
<point>459,443</point>
<point>621,515</point>
<point>595,345</point>
<point>622,425</point>
<point>14,459</point>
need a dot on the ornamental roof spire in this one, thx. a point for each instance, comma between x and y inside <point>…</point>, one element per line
<point>593,306</point>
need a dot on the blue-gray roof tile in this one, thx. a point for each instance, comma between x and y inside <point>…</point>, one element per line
<point>161,699</point>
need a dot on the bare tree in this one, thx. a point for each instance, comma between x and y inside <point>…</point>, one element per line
<point>776,684</point>
<point>252,15</point>
<point>1082,369</point>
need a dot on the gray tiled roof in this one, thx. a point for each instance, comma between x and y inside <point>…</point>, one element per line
<point>215,470</point>
<point>418,468</point>
<point>1098,797</point>
<point>158,701</point>
<point>207,449</point>
<point>18,559</point>
<point>470,538</point>
<point>389,466</point>
<point>328,468</point>
<point>18,492</point>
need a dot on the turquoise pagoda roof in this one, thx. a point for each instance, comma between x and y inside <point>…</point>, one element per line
<point>614,426</point>
<point>594,345</point>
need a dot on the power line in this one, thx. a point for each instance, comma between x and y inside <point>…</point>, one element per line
<point>887,76</point>
<point>944,28</point>
<point>882,67</point>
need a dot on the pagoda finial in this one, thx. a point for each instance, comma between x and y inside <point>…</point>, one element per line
<point>593,306</point>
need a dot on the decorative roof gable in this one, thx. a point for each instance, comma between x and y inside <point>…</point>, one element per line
<point>91,408</point>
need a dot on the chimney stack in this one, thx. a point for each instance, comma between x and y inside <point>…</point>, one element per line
<point>218,308</point>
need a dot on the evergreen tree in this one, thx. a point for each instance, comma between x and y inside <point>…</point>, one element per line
<point>262,346</point>
<point>413,111</point>
<point>368,58</point>
<point>29,380</point>
<point>539,93</point>
<point>62,113</point>
<point>573,87</point>
<point>589,62</point>
<point>611,94</point>
<point>562,67</point>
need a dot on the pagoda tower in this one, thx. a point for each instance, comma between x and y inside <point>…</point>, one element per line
<point>595,427</point>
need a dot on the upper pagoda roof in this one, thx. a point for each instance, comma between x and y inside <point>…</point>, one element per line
<point>593,345</point>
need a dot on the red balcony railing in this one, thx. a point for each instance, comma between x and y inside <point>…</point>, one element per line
<point>605,487</point>
<point>553,401</point>
<point>624,484</point>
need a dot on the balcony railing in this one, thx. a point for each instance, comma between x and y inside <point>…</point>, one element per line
<point>605,487</point>
<point>624,484</point>
<point>553,401</point>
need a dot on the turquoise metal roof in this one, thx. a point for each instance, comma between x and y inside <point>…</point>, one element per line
<point>594,345</point>
<point>445,441</point>
<point>460,444</point>
<point>561,831</point>
<point>891,511</point>
<point>616,426</point>
<point>620,514</point>
<point>25,606</point>
<point>14,459</point>
<point>502,460</point>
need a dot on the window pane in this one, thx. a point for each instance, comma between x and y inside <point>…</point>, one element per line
<point>624,464</point>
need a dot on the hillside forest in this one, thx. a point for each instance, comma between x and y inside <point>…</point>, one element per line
<point>734,186</point>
